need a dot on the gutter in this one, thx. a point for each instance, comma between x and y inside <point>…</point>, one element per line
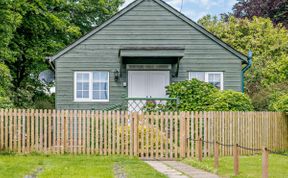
<point>249,60</point>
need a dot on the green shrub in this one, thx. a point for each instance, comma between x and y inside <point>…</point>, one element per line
<point>229,100</point>
<point>279,102</point>
<point>193,95</point>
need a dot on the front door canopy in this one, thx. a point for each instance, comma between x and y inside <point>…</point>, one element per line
<point>151,55</point>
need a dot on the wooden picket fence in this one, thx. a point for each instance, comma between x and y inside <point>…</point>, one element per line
<point>165,135</point>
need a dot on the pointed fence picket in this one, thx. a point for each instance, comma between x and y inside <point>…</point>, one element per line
<point>163,135</point>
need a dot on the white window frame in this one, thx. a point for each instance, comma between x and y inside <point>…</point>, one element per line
<point>206,74</point>
<point>90,99</point>
<point>221,78</point>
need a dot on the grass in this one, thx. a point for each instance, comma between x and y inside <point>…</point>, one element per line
<point>250,166</point>
<point>74,166</point>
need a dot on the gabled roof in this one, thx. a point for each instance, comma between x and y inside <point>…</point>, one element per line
<point>167,7</point>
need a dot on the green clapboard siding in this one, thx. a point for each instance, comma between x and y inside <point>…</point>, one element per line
<point>146,25</point>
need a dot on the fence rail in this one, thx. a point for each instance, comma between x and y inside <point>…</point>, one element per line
<point>164,135</point>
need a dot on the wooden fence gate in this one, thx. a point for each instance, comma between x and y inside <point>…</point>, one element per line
<point>164,135</point>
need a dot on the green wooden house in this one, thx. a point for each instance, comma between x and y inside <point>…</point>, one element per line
<point>139,51</point>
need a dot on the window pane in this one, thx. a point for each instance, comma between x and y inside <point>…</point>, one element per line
<point>79,94</point>
<point>100,76</point>
<point>85,77</point>
<point>79,77</point>
<point>79,86</point>
<point>103,86</point>
<point>103,95</point>
<point>198,75</point>
<point>100,95</point>
<point>95,95</point>
<point>100,86</point>
<point>215,79</point>
<point>85,94</point>
<point>104,76</point>
<point>96,76</point>
<point>96,86</point>
<point>85,86</point>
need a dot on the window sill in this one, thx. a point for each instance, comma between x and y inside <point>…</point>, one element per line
<point>91,101</point>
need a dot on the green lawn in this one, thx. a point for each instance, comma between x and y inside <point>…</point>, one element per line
<point>73,166</point>
<point>250,166</point>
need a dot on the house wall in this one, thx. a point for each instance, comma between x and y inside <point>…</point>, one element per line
<point>147,24</point>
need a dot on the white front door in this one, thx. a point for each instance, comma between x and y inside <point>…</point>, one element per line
<point>146,84</point>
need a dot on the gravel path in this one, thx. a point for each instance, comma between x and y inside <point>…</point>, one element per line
<point>118,171</point>
<point>35,173</point>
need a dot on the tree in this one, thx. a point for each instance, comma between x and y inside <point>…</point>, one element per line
<point>276,10</point>
<point>268,43</point>
<point>37,29</point>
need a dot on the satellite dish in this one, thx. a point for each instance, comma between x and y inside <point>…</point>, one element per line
<point>46,76</point>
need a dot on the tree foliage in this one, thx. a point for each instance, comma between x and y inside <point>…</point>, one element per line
<point>269,44</point>
<point>5,84</point>
<point>279,102</point>
<point>276,10</point>
<point>33,30</point>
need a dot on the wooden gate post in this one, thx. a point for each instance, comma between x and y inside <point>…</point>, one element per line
<point>135,125</point>
<point>182,135</point>
<point>264,162</point>
<point>199,149</point>
<point>216,155</point>
<point>236,159</point>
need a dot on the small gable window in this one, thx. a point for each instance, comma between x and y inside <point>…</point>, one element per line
<point>91,86</point>
<point>215,78</point>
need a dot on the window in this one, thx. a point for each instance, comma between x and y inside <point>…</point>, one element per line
<point>91,86</point>
<point>215,78</point>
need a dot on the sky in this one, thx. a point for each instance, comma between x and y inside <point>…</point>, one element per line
<point>195,9</point>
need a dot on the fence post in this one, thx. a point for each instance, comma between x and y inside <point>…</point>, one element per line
<point>200,149</point>
<point>135,120</point>
<point>236,159</point>
<point>216,155</point>
<point>65,130</point>
<point>265,162</point>
<point>182,135</point>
